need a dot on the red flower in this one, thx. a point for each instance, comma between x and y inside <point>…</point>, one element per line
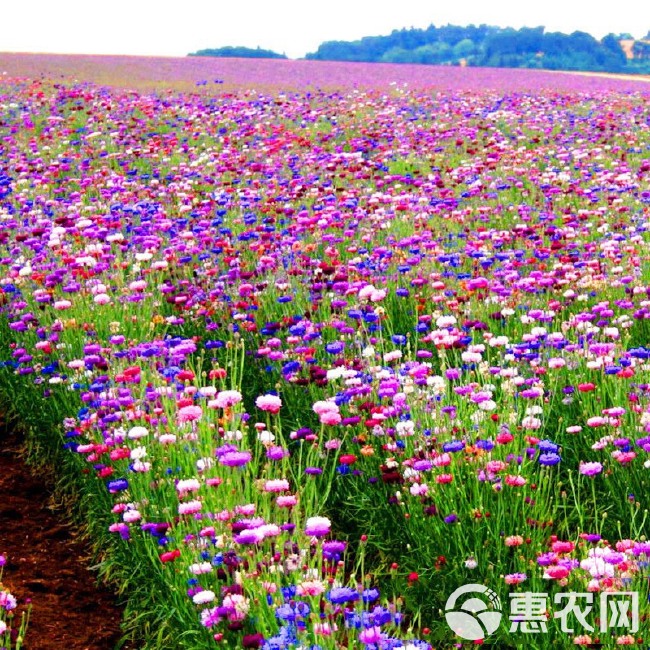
<point>252,640</point>
<point>170,556</point>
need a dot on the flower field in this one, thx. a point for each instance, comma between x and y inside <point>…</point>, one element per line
<point>315,356</point>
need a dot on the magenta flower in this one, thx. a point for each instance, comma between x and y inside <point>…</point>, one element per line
<point>317,526</point>
<point>372,635</point>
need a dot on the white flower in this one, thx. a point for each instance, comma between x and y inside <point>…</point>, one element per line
<point>130,516</point>
<point>137,432</point>
<point>138,453</point>
<point>265,437</point>
<point>200,568</point>
<point>203,597</point>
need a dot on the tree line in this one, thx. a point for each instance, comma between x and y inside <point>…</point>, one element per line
<point>483,45</point>
<point>239,51</point>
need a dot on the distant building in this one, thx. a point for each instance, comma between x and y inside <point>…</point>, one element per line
<point>637,50</point>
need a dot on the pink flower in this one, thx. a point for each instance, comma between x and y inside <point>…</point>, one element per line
<point>623,456</point>
<point>495,466</point>
<point>225,399</point>
<point>190,507</point>
<point>276,485</point>
<point>330,418</point>
<point>371,635</point>
<point>515,578</point>
<point>288,501</point>
<point>590,469</point>
<point>188,414</point>
<point>582,639</point>
<point>185,486</point>
<point>626,639</point>
<point>138,285</point>
<point>101,299</point>
<point>325,406</point>
<point>556,573</point>
<point>310,588</point>
<point>270,403</point>
<point>419,489</point>
<point>561,546</point>
<point>326,629</point>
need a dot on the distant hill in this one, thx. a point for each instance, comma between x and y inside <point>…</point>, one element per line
<point>489,46</point>
<point>241,52</point>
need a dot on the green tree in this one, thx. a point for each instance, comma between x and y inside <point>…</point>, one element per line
<point>464,49</point>
<point>241,52</point>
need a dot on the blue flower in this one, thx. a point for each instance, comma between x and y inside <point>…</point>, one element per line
<point>335,347</point>
<point>485,445</point>
<point>549,459</point>
<point>117,485</point>
<point>546,447</point>
<point>340,595</point>
<point>370,595</point>
<point>453,446</point>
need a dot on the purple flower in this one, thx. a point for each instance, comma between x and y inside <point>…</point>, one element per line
<point>235,458</point>
<point>276,453</point>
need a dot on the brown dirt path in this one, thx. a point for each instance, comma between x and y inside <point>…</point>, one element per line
<point>48,564</point>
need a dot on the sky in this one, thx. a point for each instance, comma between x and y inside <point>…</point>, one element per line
<point>293,27</point>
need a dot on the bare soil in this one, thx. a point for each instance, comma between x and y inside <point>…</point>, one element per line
<point>48,563</point>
